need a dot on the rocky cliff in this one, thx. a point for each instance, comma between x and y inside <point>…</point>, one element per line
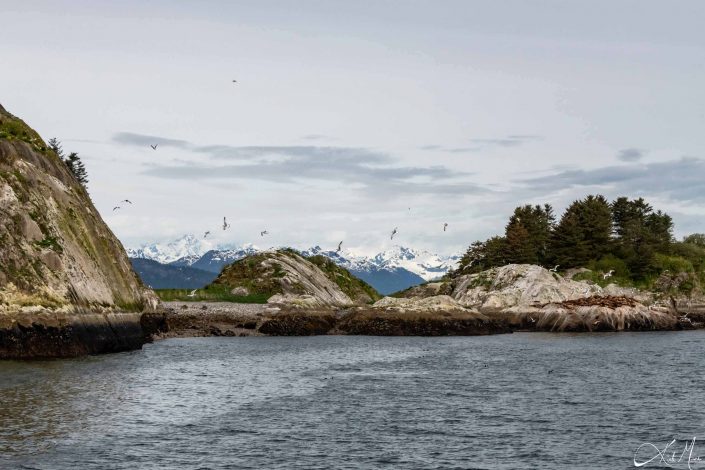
<point>288,278</point>
<point>532,297</point>
<point>66,284</point>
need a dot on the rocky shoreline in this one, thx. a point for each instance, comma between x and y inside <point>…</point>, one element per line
<point>52,335</point>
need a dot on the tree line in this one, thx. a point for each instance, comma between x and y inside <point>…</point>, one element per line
<point>624,235</point>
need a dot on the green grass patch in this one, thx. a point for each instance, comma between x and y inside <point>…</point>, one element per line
<point>211,293</point>
<point>51,243</point>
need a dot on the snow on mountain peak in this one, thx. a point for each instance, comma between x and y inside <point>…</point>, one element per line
<point>190,250</point>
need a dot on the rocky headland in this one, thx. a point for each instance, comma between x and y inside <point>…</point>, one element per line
<point>66,285</point>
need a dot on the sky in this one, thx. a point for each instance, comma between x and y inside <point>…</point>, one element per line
<point>349,119</point>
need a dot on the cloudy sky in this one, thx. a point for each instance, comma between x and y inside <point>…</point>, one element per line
<point>351,118</point>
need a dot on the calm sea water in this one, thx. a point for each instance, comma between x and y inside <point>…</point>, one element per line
<point>520,401</point>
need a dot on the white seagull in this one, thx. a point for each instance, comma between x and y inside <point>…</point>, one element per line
<point>206,234</point>
<point>263,233</point>
<point>116,208</point>
<point>555,269</point>
<point>127,201</point>
<point>226,225</point>
<point>340,247</point>
<point>192,294</point>
<point>609,274</point>
<point>394,232</point>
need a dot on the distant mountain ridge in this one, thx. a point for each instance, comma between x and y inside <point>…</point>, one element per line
<point>389,271</point>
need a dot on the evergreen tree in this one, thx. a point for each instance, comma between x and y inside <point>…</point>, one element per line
<point>55,145</point>
<point>76,166</point>
<point>520,247</point>
<point>568,246</point>
<point>595,218</point>
<point>538,222</point>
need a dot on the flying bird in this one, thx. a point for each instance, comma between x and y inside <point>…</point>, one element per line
<point>263,233</point>
<point>192,294</point>
<point>116,208</point>
<point>607,275</point>
<point>555,269</point>
<point>127,201</point>
<point>154,147</point>
<point>206,234</point>
<point>234,81</point>
<point>226,225</point>
<point>340,247</point>
<point>445,226</point>
<point>394,232</point>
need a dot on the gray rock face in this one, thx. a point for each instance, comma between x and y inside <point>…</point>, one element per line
<point>303,284</point>
<point>57,256</point>
<point>517,284</point>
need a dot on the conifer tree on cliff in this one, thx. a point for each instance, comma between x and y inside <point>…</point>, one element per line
<point>73,161</point>
<point>538,222</point>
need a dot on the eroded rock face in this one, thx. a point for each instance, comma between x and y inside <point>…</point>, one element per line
<point>304,283</point>
<point>57,256</point>
<point>517,285</point>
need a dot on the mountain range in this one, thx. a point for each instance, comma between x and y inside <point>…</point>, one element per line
<point>191,262</point>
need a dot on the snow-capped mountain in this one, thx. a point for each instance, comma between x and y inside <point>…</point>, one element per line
<point>388,271</point>
<point>423,263</point>
<point>188,246</point>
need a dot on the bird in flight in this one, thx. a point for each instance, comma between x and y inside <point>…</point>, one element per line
<point>206,234</point>
<point>394,232</point>
<point>234,81</point>
<point>226,225</point>
<point>607,275</point>
<point>116,208</point>
<point>154,147</point>
<point>554,269</point>
<point>340,247</point>
<point>127,201</point>
<point>445,226</point>
<point>263,233</point>
<point>192,294</point>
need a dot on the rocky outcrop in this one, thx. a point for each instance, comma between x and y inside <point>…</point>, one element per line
<point>66,284</point>
<point>532,297</point>
<point>290,279</point>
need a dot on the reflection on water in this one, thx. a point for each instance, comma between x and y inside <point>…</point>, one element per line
<point>509,401</point>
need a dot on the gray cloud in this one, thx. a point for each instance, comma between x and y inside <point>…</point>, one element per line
<point>630,155</point>
<point>513,140</point>
<point>371,170</point>
<point>129,138</point>
<point>510,141</point>
<point>678,180</point>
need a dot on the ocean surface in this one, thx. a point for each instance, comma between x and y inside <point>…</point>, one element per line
<point>518,401</point>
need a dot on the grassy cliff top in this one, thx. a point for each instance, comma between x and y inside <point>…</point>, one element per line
<point>14,128</point>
